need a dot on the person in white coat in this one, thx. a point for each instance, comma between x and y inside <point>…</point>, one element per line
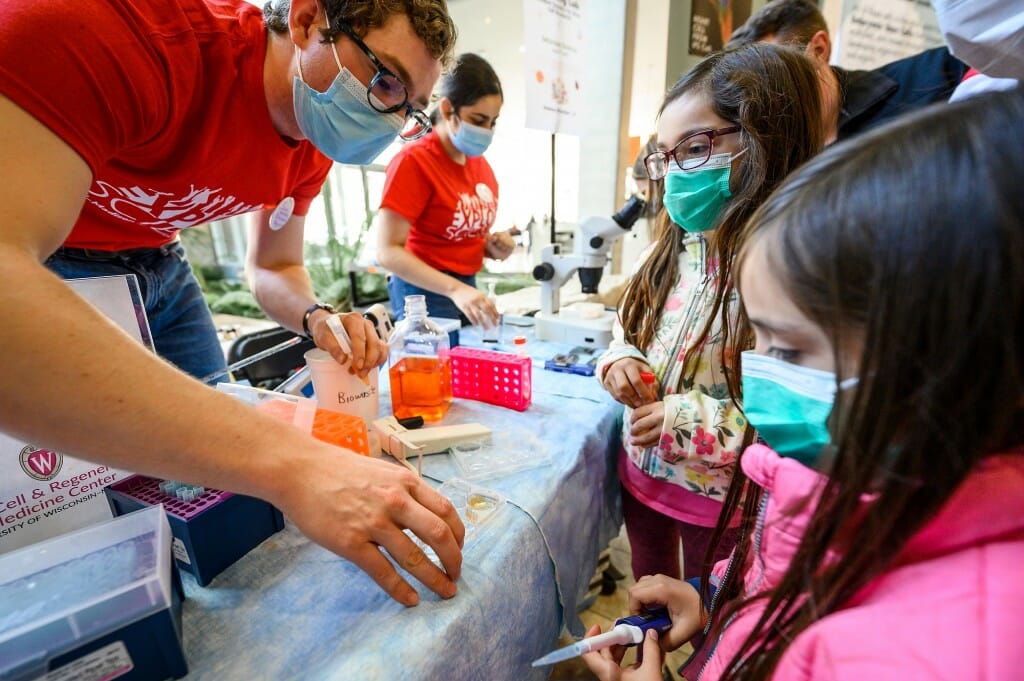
<point>988,35</point>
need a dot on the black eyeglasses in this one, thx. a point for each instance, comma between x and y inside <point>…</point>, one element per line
<point>691,153</point>
<point>387,93</point>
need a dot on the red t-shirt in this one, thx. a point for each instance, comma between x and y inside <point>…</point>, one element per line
<point>164,100</point>
<point>450,207</point>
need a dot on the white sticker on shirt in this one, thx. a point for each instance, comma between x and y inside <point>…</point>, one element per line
<point>485,193</point>
<point>282,214</point>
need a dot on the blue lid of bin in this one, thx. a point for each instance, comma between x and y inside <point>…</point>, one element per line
<point>69,590</point>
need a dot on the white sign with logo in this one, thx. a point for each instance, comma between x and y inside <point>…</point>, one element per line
<point>554,65</point>
<point>44,493</point>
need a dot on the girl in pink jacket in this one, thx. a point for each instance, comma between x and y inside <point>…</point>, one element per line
<point>883,537</point>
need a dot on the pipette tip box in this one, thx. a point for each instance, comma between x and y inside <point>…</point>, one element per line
<point>211,531</point>
<point>100,602</point>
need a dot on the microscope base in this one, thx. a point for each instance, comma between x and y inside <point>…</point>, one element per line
<point>591,333</point>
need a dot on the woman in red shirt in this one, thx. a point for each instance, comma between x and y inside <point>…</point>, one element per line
<point>440,199</point>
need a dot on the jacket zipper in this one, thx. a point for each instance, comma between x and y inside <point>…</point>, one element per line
<point>758,531</point>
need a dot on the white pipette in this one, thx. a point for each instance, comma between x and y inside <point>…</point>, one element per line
<point>341,335</point>
<point>628,631</point>
<point>619,635</point>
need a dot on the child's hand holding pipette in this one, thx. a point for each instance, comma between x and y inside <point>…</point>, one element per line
<point>605,663</point>
<point>678,597</point>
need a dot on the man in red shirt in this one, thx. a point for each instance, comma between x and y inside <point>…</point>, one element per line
<point>124,121</point>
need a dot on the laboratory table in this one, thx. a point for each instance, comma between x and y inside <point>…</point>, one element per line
<point>291,609</point>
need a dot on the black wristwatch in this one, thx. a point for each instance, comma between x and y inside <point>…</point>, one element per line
<point>313,308</point>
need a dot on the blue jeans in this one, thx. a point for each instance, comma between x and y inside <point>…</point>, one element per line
<point>437,305</point>
<point>182,328</point>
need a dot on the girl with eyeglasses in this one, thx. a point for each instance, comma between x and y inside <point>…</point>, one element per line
<point>440,199</point>
<point>728,132</point>
<point>883,530</point>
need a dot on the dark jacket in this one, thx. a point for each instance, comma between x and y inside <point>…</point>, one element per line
<point>870,98</point>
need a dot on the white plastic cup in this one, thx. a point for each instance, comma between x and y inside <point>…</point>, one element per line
<point>338,390</point>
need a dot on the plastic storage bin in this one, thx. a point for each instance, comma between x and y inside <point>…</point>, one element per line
<point>211,531</point>
<point>101,602</point>
<point>494,377</point>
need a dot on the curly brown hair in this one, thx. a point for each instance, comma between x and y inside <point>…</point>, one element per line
<point>429,18</point>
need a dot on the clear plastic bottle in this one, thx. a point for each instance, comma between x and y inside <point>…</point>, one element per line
<point>420,365</point>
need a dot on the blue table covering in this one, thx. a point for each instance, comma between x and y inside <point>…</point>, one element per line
<point>291,609</point>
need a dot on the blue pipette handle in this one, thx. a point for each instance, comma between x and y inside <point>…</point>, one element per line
<point>654,619</point>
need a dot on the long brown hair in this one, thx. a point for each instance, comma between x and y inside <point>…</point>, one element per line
<point>875,239</point>
<point>772,93</point>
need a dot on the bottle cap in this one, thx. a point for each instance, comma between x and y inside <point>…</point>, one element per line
<point>647,377</point>
<point>519,340</point>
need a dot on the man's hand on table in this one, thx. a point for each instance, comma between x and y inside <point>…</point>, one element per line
<point>355,505</point>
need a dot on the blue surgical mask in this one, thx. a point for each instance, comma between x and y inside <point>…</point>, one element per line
<point>789,405</point>
<point>340,122</point>
<point>694,198</point>
<point>472,140</point>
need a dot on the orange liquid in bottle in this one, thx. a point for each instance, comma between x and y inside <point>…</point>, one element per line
<point>421,386</point>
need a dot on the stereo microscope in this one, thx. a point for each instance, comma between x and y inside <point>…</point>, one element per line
<point>593,242</point>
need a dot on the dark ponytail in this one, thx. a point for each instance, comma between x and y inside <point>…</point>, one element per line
<point>470,79</point>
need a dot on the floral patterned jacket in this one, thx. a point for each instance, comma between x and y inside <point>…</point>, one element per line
<point>702,432</point>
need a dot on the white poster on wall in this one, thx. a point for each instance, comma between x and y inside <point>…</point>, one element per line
<point>873,33</point>
<point>44,493</point>
<point>554,65</point>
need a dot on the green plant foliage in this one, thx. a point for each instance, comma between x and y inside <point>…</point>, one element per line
<point>240,302</point>
<point>505,282</point>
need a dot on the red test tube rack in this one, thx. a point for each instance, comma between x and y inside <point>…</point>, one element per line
<point>493,377</point>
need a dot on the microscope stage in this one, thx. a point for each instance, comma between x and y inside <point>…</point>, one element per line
<point>572,330</point>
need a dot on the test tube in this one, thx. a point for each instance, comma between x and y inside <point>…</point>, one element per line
<point>519,342</point>
<point>170,487</point>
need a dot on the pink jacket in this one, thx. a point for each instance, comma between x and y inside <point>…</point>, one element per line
<point>950,608</point>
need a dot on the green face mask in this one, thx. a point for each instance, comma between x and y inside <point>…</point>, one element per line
<point>694,198</point>
<point>789,405</point>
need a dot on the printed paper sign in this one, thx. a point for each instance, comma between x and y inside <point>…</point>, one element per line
<point>876,32</point>
<point>554,65</point>
<point>44,493</point>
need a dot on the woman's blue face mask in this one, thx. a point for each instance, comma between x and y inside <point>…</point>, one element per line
<point>471,140</point>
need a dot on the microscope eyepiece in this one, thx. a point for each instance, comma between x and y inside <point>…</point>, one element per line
<point>631,212</point>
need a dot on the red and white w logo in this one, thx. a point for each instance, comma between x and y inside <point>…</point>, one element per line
<point>40,464</point>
